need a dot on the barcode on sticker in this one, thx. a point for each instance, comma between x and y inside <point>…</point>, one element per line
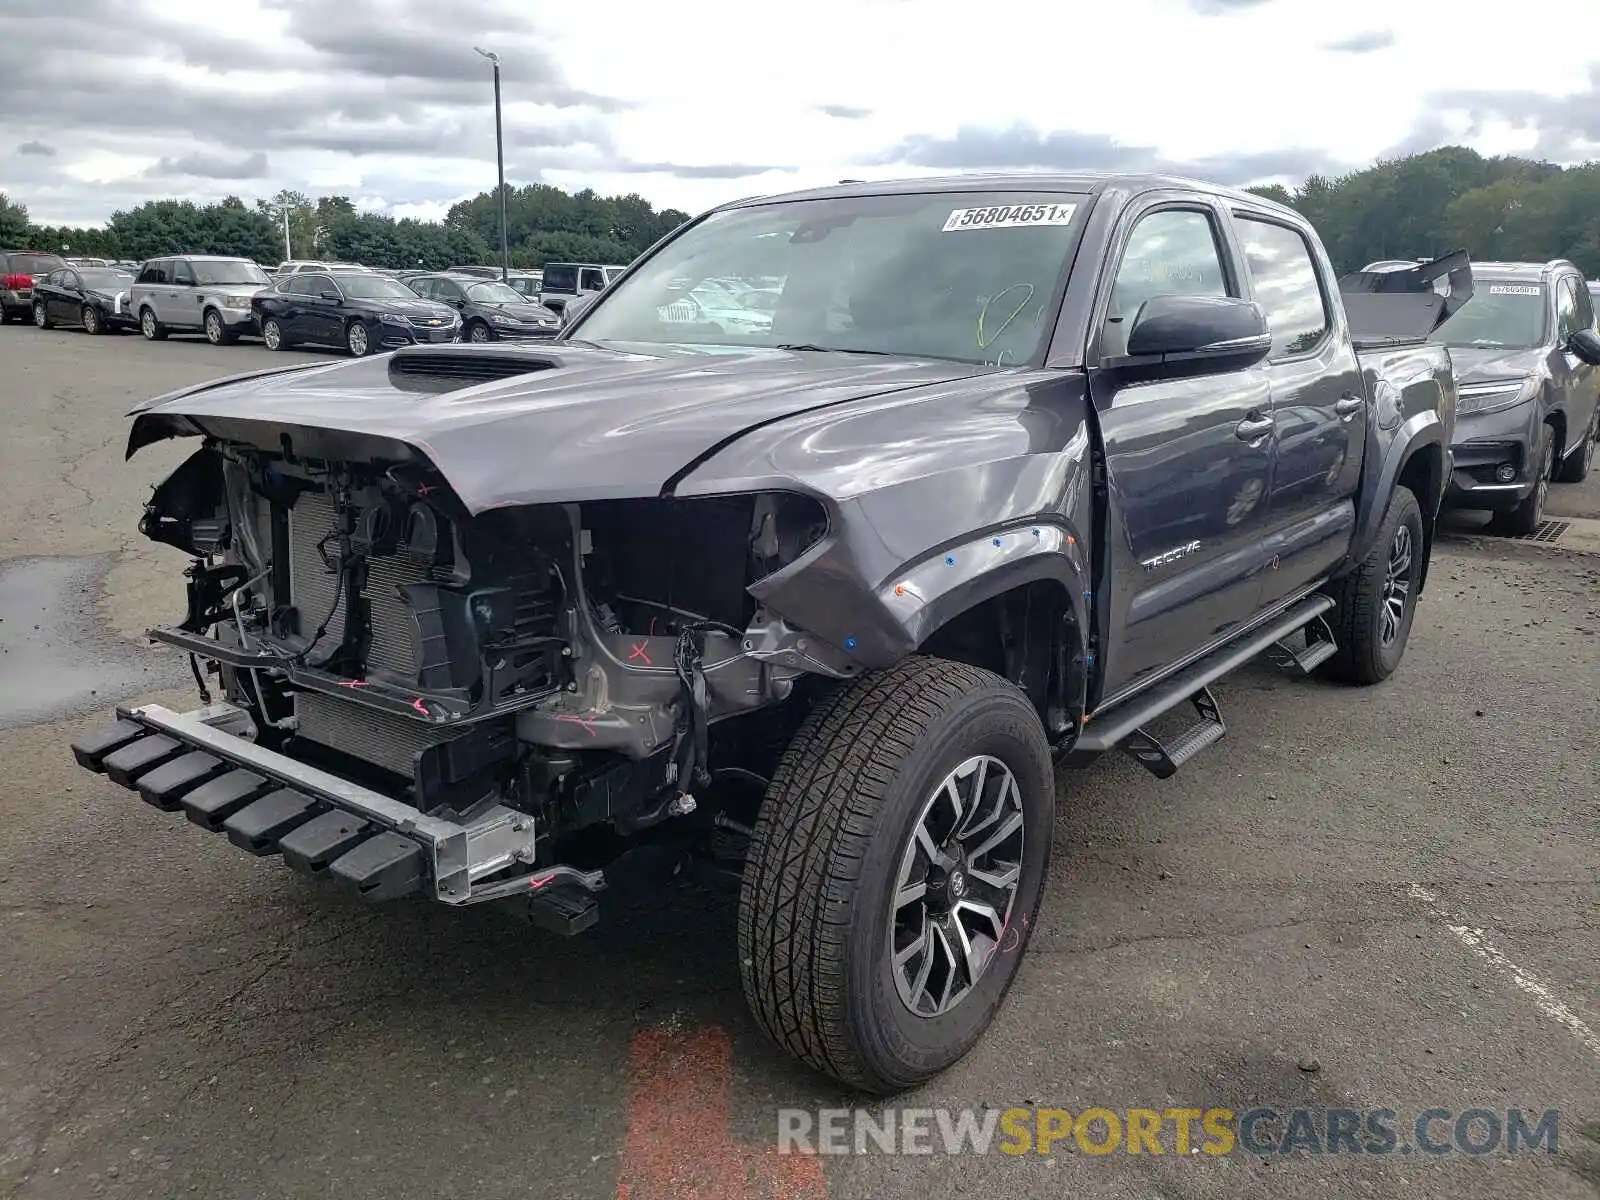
<point>1009,216</point>
<point>1514,289</point>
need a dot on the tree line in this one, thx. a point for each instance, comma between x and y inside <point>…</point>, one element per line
<point>543,224</point>
<point>1422,205</point>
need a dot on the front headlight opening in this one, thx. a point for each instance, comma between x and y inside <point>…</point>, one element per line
<point>1496,397</point>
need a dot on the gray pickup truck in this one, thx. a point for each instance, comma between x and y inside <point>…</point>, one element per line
<point>1019,467</point>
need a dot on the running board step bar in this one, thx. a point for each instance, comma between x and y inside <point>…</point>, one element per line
<point>1116,728</point>
<point>1302,660</point>
<point>1162,759</point>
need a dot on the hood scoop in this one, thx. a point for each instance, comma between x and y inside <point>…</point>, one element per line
<point>444,369</point>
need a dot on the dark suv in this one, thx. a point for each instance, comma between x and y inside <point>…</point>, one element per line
<point>1528,412</point>
<point>18,269</point>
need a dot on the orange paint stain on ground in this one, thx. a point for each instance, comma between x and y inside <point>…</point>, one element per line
<point>680,1143</point>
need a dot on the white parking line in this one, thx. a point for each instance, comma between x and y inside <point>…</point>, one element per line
<point>1473,939</point>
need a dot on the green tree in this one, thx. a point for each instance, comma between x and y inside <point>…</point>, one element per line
<point>14,226</point>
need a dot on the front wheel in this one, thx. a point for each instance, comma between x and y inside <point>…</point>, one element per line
<point>1374,604</point>
<point>357,340</point>
<point>895,872</point>
<point>479,332</point>
<point>91,320</point>
<point>217,333</point>
<point>41,315</point>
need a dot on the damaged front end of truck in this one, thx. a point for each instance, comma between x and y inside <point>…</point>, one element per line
<point>410,690</point>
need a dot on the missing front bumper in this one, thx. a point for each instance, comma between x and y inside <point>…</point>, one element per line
<point>268,803</point>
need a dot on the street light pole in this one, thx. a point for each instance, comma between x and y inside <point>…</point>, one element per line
<point>500,163</point>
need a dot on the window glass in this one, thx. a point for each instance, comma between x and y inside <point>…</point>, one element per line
<point>1567,319</point>
<point>561,279</point>
<point>154,272</point>
<point>317,284</point>
<point>1172,252</point>
<point>1585,304</point>
<point>1286,285</point>
<point>967,276</point>
<point>181,273</point>
<point>593,280</point>
<point>229,272</point>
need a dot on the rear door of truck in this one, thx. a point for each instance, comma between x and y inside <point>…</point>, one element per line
<point>1319,408</point>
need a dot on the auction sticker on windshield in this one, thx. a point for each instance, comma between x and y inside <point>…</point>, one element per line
<point>1514,289</point>
<point>1009,216</point>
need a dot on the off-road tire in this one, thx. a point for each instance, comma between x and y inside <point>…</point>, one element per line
<point>1363,657</point>
<point>1575,467</point>
<point>1528,515</point>
<point>152,329</point>
<point>41,316</point>
<point>814,905</point>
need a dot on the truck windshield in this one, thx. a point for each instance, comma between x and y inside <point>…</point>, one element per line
<point>1501,316</point>
<point>968,276</point>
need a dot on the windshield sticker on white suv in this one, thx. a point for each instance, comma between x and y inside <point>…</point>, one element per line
<point>1009,216</point>
<point>1513,289</point>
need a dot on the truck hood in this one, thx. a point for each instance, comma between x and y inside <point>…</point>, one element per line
<point>580,424</point>
<point>1481,364</point>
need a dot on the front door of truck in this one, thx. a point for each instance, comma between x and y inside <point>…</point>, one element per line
<point>1188,460</point>
<point>1319,405</point>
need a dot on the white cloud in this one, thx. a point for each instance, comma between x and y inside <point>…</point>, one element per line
<point>697,103</point>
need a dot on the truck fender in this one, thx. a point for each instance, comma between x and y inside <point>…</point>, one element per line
<point>1414,436</point>
<point>928,594</point>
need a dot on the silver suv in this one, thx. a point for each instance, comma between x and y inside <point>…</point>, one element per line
<point>189,292</point>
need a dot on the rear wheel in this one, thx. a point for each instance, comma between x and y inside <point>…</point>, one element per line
<point>1529,514</point>
<point>272,334</point>
<point>1575,467</point>
<point>41,315</point>
<point>1374,605</point>
<point>91,320</point>
<point>152,329</point>
<point>895,872</point>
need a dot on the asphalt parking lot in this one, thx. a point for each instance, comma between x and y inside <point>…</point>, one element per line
<point>1378,899</point>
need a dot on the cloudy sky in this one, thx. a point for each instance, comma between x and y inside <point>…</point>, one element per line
<point>105,103</point>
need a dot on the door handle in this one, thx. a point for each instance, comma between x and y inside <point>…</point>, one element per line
<point>1253,428</point>
<point>1348,405</point>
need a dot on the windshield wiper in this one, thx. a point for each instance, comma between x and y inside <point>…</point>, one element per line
<point>813,348</point>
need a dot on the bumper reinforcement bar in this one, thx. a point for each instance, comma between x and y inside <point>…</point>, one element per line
<point>268,803</point>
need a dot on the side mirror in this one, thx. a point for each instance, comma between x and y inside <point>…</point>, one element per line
<point>331,295</point>
<point>1585,343</point>
<point>1197,332</point>
<point>577,306</point>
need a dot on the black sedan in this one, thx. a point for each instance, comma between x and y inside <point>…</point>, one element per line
<point>364,313</point>
<point>94,297</point>
<point>491,311</point>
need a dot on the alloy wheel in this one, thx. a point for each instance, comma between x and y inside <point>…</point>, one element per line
<point>956,884</point>
<point>214,329</point>
<point>147,324</point>
<point>357,339</point>
<point>1396,586</point>
<point>272,335</point>
<point>480,333</point>
<point>40,317</point>
<point>91,320</point>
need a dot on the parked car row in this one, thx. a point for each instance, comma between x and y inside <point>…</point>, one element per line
<point>304,303</point>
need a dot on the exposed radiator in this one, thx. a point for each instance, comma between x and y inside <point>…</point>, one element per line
<point>376,737</point>
<point>395,651</point>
